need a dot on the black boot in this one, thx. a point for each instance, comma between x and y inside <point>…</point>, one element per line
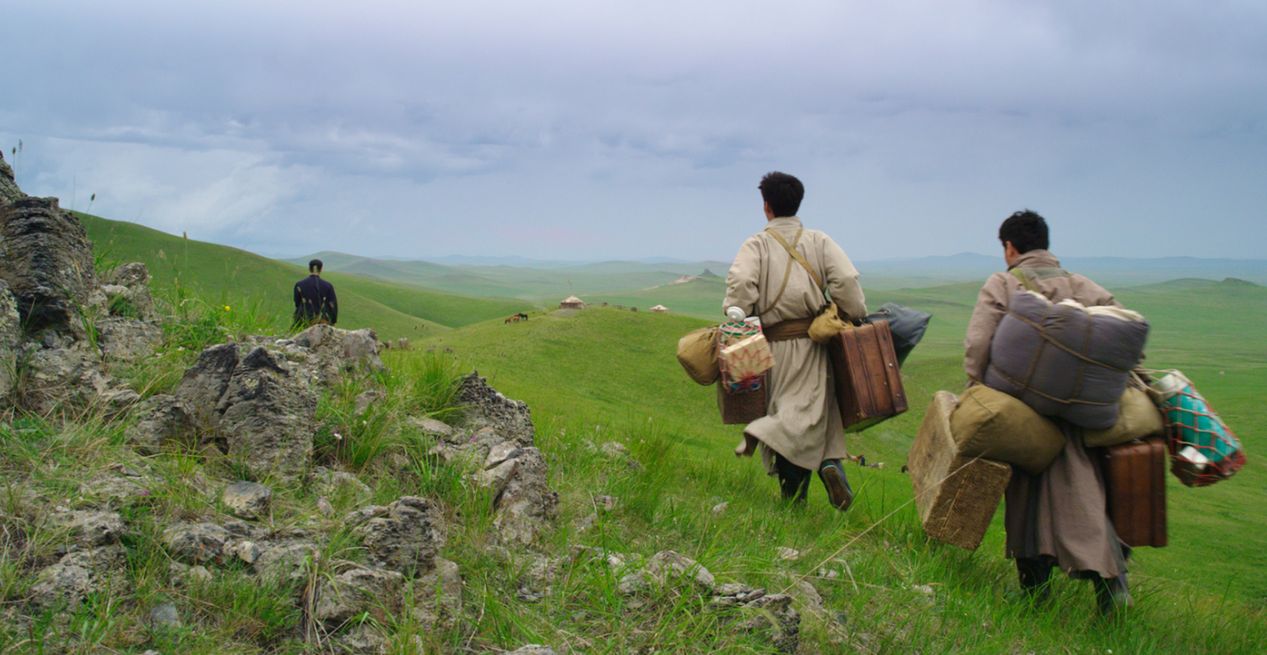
<point>793,480</point>
<point>839,493</point>
<point>1112,595</point>
<point>1035,576</point>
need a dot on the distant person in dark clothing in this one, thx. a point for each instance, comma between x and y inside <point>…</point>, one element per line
<point>314,299</point>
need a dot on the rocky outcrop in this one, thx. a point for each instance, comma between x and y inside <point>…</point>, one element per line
<point>56,378</point>
<point>403,536</point>
<point>10,337</point>
<point>163,419</point>
<point>323,352</point>
<point>485,407</point>
<point>46,258</point>
<point>204,384</point>
<point>267,418</point>
<point>9,190</point>
<point>247,500</point>
<point>523,501</point>
<point>127,290</point>
<point>358,590</point>
<point>76,576</point>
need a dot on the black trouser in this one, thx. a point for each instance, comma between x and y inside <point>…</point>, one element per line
<point>793,480</point>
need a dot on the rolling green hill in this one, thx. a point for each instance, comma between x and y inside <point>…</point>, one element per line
<point>224,275</point>
<point>602,373</point>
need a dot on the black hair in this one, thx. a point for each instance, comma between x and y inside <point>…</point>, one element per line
<point>782,192</point>
<point>314,266</point>
<point>1026,230</point>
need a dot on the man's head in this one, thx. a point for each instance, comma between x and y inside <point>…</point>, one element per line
<point>314,267</point>
<point>782,194</point>
<point>1022,232</point>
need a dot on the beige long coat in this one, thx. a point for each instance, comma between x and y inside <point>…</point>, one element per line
<point>802,422</point>
<point>1061,512</point>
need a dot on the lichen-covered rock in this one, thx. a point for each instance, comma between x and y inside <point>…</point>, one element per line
<point>128,292</point>
<point>9,190</point>
<point>267,418</point>
<point>10,335</point>
<point>438,596</point>
<point>285,560</point>
<point>665,567</point>
<point>403,536</point>
<point>323,353</point>
<point>46,258</point>
<point>90,528</point>
<point>77,575</point>
<point>774,616</point>
<point>359,640</point>
<point>204,384</point>
<point>127,339</point>
<point>70,378</point>
<point>196,543</point>
<point>525,506</point>
<point>164,419</point>
<point>355,591</point>
<point>484,406</point>
<point>248,500</point>
<point>333,483</point>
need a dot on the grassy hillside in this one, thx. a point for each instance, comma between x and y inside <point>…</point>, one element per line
<point>543,285</point>
<point>604,374</point>
<point>248,282</point>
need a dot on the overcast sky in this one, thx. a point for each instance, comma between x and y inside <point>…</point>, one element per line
<point>598,130</point>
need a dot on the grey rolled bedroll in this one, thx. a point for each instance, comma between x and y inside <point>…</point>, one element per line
<point>1065,360</point>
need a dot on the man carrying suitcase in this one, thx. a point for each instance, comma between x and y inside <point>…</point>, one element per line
<point>1058,517</point>
<point>802,431</point>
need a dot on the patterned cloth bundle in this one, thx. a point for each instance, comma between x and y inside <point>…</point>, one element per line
<point>744,355</point>
<point>1203,450</point>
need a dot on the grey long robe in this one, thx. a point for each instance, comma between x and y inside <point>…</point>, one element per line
<point>802,422</point>
<point>1061,512</point>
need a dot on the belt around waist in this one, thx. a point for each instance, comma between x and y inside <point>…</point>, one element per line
<point>797,328</point>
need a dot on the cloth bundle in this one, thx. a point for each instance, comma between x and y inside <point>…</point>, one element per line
<point>743,356</point>
<point>993,425</point>
<point>1064,359</point>
<point>1203,450</point>
<point>907,326</point>
<point>1138,418</point>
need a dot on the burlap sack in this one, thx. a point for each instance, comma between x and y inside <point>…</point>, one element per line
<point>1138,418</point>
<point>697,353</point>
<point>994,425</point>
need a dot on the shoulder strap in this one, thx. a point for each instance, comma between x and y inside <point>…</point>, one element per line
<point>786,274</point>
<point>800,259</point>
<point>1024,280</point>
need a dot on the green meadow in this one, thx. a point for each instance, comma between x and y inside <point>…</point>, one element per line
<point>245,282</point>
<point>603,375</point>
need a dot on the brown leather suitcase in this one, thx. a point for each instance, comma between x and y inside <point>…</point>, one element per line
<point>743,407</point>
<point>868,382</point>
<point>1135,480</point>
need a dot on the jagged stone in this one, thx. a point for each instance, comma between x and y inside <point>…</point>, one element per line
<point>247,551</point>
<point>360,640</point>
<point>267,417</point>
<point>333,483</point>
<point>662,568</point>
<point>77,575</point>
<point>537,578</point>
<point>127,339</point>
<point>285,560</point>
<point>428,425</point>
<point>90,528</point>
<point>10,336</point>
<point>526,506</point>
<point>46,258</point>
<point>182,575</point>
<point>248,500</point>
<point>115,489</point>
<point>70,378</point>
<point>355,591</point>
<point>196,543</point>
<point>9,190</point>
<point>438,596</point>
<point>164,419</point>
<point>132,284</point>
<point>204,384</point>
<point>484,406</point>
<point>325,352</point>
<point>404,536</point>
